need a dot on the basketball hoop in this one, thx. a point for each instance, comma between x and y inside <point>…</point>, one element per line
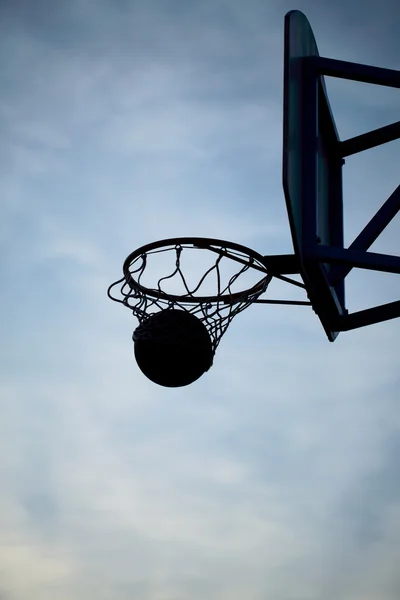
<point>209,290</point>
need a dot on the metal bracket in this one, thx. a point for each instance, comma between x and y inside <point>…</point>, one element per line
<point>343,260</point>
<point>282,264</point>
<point>369,316</point>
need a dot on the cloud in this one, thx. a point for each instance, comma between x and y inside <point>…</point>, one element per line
<point>275,474</point>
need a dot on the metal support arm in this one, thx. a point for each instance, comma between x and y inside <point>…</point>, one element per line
<point>357,72</point>
<point>355,258</point>
<point>369,316</point>
<point>370,233</point>
<point>282,264</point>
<point>373,138</point>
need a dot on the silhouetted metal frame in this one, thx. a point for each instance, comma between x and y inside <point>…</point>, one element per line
<point>322,266</point>
<point>357,255</point>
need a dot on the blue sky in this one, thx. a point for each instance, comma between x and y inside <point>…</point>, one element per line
<point>276,474</point>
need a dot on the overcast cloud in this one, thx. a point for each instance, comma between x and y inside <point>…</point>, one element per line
<point>276,475</point>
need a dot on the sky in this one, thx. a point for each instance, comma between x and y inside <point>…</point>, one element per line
<point>275,475</point>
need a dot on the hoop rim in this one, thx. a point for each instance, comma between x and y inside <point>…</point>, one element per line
<point>201,243</point>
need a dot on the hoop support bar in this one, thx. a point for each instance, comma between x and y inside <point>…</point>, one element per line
<point>275,264</point>
<point>369,316</point>
<point>373,138</point>
<point>285,302</point>
<point>282,264</point>
<point>356,258</point>
<point>356,72</point>
<point>371,232</point>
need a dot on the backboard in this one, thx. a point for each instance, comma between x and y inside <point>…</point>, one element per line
<point>312,169</point>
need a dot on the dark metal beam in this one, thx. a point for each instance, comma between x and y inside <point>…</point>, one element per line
<point>357,258</point>
<point>379,221</point>
<point>374,138</point>
<point>357,72</point>
<point>289,302</point>
<point>370,232</point>
<point>369,316</point>
<point>283,264</point>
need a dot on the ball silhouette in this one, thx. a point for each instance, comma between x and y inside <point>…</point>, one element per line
<point>173,348</point>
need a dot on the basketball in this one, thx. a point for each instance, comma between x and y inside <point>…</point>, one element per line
<point>173,348</point>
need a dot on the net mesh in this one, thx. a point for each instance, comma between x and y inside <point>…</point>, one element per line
<point>209,288</point>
